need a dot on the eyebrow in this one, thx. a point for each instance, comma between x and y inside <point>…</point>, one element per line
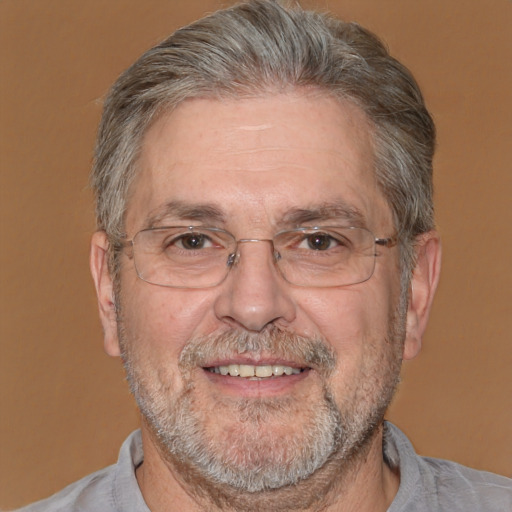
<point>337,211</point>
<point>178,210</point>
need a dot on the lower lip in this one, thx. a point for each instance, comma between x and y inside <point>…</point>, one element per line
<point>256,387</point>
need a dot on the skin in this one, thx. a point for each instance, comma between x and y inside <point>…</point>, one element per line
<point>254,160</point>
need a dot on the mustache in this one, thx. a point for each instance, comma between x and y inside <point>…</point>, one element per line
<point>305,351</point>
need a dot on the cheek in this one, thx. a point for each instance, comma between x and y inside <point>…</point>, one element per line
<point>343,313</point>
<point>157,324</point>
<point>355,322</point>
<point>350,319</point>
<point>164,319</point>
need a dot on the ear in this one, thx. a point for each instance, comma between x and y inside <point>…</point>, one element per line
<point>423,285</point>
<point>105,291</point>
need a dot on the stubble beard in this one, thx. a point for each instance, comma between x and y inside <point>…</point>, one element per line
<point>254,460</point>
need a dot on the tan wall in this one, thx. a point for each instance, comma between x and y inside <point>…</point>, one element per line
<point>65,407</point>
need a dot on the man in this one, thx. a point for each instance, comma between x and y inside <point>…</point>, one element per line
<point>266,258</point>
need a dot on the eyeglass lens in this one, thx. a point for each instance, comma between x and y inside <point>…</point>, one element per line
<point>193,257</point>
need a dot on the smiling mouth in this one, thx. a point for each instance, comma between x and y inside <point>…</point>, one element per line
<point>249,371</point>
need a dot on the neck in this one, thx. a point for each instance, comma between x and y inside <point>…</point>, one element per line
<point>364,483</point>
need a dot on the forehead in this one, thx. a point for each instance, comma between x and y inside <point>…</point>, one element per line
<point>256,159</point>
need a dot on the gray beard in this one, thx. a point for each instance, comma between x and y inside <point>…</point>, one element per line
<point>250,458</point>
<point>255,460</point>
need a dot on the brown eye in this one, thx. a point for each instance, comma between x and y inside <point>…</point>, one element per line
<point>319,242</point>
<point>192,241</point>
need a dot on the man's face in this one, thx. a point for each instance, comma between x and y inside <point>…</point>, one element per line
<point>255,167</point>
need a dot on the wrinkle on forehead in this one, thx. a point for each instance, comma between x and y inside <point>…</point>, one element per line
<point>255,127</point>
<point>247,163</point>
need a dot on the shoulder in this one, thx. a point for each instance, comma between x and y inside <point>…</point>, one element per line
<point>458,487</point>
<point>111,489</point>
<point>84,495</point>
<point>428,484</point>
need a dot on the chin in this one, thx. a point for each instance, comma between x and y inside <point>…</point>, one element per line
<point>251,445</point>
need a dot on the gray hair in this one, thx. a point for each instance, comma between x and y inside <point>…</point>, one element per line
<point>260,47</point>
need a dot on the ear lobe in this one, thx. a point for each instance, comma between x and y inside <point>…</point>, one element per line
<point>105,292</point>
<point>423,285</point>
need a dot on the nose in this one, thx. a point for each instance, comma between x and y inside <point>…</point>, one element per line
<point>254,295</point>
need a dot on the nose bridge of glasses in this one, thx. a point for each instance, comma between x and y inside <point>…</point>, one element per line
<point>234,258</point>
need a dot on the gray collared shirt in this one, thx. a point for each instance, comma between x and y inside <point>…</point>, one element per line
<point>426,485</point>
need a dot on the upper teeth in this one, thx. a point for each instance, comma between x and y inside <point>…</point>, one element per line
<point>249,370</point>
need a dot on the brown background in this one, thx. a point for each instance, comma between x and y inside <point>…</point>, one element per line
<point>65,407</point>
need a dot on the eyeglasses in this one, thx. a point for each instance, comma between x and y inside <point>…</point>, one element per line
<point>201,257</point>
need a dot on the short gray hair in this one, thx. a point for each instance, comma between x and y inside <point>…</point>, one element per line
<point>260,47</point>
